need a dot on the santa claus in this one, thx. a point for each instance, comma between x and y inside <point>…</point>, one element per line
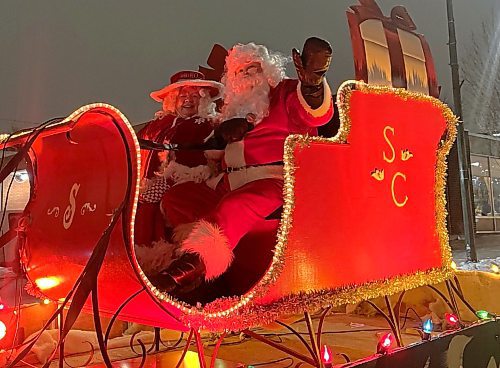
<point>211,222</point>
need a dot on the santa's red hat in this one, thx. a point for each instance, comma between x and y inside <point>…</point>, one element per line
<point>188,78</point>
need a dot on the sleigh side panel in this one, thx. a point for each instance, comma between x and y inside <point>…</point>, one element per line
<point>80,179</point>
<point>370,214</point>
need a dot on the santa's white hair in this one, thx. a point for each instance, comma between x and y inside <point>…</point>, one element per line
<point>206,107</point>
<point>273,63</point>
<point>244,95</point>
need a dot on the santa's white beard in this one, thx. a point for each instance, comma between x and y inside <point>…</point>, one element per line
<point>246,95</point>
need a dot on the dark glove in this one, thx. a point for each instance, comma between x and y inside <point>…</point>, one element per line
<point>311,68</point>
<point>233,130</point>
<point>183,275</point>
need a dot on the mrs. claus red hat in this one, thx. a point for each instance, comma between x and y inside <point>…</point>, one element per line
<point>188,78</point>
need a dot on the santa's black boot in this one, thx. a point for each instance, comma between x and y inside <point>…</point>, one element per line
<point>182,276</point>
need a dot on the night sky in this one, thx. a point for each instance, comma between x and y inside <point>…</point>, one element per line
<point>59,55</point>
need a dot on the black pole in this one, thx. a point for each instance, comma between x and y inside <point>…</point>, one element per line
<point>465,192</point>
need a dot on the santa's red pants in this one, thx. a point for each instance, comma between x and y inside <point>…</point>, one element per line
<point>235,212</point>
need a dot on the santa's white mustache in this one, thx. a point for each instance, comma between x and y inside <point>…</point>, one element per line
<point>245,84</point>
<point>247,95</point>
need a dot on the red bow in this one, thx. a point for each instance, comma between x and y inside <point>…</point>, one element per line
<point>399,15</point>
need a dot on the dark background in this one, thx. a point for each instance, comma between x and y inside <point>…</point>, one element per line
<point>58,55</point>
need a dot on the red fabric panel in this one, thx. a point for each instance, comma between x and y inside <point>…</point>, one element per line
<point>347,229</point>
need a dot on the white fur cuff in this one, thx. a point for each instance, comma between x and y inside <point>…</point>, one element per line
<point>181,173</point>
<point>325,106</point>
<point>209,242</point>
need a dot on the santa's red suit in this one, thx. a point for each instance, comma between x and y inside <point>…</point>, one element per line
<point>252,186</point>
<point>150,224</point>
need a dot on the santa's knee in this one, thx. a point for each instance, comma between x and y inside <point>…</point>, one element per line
<point>232,212</point>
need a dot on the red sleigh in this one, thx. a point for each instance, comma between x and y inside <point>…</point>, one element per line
<point>363,216</point>
<point>384,173</point>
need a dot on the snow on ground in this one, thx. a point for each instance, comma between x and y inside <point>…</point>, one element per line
<point>481,265</point>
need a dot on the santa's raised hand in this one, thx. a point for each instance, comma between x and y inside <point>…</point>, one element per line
<point>312,67</point>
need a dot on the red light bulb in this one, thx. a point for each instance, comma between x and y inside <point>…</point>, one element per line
<point>326,356</point>
<point>385,343</point>
<point>451,319</point>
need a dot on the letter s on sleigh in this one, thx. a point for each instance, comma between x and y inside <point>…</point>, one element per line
<point>364,216</point>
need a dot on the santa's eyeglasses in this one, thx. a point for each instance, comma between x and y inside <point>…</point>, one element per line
<point>250,69</point>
